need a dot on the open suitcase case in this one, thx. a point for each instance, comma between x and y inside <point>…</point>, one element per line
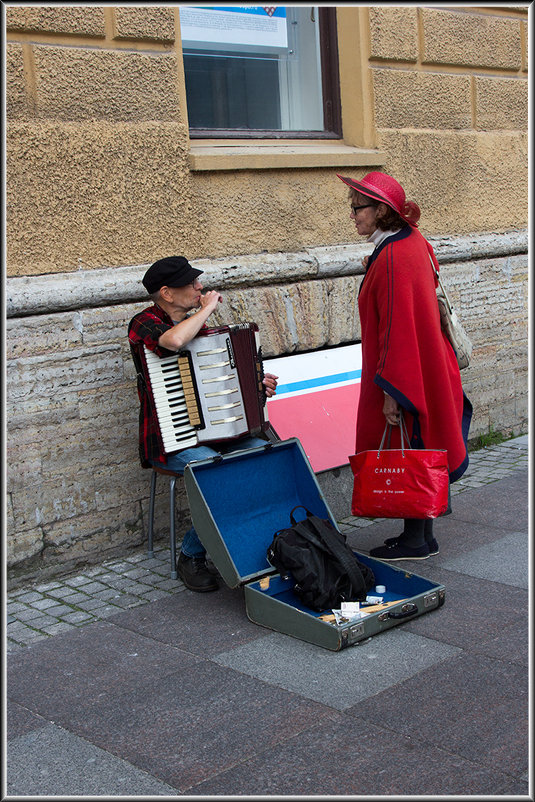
<point>239,500</point>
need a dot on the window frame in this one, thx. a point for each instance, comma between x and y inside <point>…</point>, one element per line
<point>332,112</point>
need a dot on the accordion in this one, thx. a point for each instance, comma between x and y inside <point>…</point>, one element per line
<point>211,390</point>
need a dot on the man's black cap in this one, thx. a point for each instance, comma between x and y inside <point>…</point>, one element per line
<point>173,271</point>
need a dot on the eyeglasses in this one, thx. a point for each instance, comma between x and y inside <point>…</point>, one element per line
<point>355,209</point>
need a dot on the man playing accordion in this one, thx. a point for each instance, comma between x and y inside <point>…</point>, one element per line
<point>164,328</point>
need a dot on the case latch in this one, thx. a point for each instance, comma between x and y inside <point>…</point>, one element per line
<point>431,599</point>
<point>356,631</point>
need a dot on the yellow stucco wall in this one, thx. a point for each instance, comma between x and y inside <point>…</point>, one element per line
<point>101,171</point>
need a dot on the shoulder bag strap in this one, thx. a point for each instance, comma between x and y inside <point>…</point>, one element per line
<point>440,284</point>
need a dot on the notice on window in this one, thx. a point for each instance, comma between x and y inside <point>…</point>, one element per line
<point>229,27</point>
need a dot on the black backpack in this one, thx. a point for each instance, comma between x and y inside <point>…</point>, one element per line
<point>325,570</point>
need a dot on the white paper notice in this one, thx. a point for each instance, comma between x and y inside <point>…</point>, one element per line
<point>255,26</point>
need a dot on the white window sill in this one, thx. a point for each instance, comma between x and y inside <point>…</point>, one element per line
<point>267,154</point>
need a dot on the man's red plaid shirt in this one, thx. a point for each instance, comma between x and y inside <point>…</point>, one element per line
<point>146,328</point>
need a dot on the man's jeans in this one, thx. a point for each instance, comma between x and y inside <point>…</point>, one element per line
<point>191,545</point>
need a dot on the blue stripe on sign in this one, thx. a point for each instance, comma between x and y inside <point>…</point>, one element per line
<point>320,381</point>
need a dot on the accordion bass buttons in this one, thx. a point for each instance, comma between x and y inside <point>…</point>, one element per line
<point>190,391</point>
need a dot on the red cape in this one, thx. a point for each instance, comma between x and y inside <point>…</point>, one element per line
<point>405,353</point>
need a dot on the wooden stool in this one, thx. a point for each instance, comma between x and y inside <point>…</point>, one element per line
<point>172,539</point>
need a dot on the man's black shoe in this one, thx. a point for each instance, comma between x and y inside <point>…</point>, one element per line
<point>194,574</point>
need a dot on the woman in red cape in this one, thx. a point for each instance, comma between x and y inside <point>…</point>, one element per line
<point>408,363</point>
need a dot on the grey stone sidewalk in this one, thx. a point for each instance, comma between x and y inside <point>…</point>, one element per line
<point>37,612</point>
<point>161,692</point>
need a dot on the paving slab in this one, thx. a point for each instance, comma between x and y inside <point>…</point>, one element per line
<point>99,661</point>
<point>506,507</point>
<point>199,623</point>
<point>176,690</point>
<point>66,765</point>
<point>19,720</point>
<point>475,610</point>
<point>348,757</point>
<point>470,705</point>
<point>191,725</point>
<point>505,560</point>
<point>454,537</point>
<point>511,645</point>
<point>338,679</point>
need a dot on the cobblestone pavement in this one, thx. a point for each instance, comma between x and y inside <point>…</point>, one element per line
<point>36,612</point>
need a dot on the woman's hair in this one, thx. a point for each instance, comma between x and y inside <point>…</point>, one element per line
<point>388,220</point>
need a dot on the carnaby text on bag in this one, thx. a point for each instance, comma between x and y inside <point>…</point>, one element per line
<point>400,483</point>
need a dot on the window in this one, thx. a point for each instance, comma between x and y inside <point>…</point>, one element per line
<point>261,71</point>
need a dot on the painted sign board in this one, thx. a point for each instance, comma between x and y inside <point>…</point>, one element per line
<point>317,399</point>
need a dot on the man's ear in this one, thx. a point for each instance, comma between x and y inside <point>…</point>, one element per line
<point>165,293</point>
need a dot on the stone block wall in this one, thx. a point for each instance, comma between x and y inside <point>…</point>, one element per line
<point>97,121</point>
<point>451,100</point>
<point>75,490</point>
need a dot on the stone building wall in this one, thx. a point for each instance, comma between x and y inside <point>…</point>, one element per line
<point>75,490</point>
<point>103,178</point>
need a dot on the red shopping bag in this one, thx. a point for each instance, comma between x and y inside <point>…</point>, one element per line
<point>400,483</point>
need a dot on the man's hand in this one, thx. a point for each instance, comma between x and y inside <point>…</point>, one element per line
<point>188,327</point>
<point>210,300</point>
<point>391,410</point>
<point>270,383</point>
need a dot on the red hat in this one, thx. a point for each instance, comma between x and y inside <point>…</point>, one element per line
<point>385,189</point>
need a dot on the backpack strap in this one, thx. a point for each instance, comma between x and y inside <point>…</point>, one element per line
<point>301,528</point>
<point>329,540</point>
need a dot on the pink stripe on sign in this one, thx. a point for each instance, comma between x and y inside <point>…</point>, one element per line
<point>324,421</point>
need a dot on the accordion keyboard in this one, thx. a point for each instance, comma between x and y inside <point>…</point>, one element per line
<point>170,401</point>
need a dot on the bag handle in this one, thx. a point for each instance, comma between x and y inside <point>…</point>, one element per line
<point>302,529</point>
<point>403,433</point>
<point>299,507</point>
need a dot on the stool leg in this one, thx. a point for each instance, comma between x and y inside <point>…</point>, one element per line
<point>172,484</point>
<point>151,513</point>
